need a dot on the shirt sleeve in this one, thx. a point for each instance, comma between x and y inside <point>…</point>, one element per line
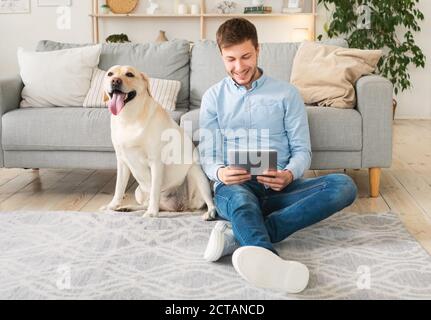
<point>298,133</point>
<point>210,138</point>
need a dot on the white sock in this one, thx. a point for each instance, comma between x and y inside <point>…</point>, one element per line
<point>264,269</point>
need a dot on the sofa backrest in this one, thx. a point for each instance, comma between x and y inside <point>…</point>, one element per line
<point>197,71</point>
<point>207,67</point>
<point>167,60</point>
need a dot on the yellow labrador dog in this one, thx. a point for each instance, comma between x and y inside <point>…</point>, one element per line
<point>139,127</point>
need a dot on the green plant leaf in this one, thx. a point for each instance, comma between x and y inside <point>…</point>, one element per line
<point>387,17</point>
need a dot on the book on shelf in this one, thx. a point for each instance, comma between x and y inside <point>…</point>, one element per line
<point>258,9</point>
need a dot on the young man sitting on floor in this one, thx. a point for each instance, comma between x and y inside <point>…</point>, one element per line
<point>260,212</point>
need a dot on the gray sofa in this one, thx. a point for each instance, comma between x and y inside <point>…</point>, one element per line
<point>80,137</point>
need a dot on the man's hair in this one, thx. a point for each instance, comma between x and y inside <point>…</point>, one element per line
<point>236,31</point>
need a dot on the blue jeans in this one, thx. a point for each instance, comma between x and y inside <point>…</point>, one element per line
<point>261,217</point>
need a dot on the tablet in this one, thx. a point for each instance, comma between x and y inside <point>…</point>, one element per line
<point>254,161</point>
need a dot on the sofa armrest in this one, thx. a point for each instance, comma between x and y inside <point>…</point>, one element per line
<point>190,123</point>
<point>374,103</point>
<point>10,93</point>
<point>10,97</point>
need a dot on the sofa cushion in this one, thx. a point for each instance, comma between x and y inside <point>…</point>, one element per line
<point>66,81</point>
<point>167,60</point>
<point>163,91</point>
<point>339,69</point>
<point>177,114</point>
<point>207,68</point>
<point>57,129</point>
<point>84,129</point>
<point>331,129</point>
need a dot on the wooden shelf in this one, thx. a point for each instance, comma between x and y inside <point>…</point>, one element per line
<point>96,16</point>
<point>260,15</point>
<point>133,15</point>
<point>208,15</point>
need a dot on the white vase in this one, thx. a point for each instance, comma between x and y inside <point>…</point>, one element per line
<point>104,10</point>
<point>153,7</point>
<point>182,8</point>
<point>194,9</point>
<point>257,3</point>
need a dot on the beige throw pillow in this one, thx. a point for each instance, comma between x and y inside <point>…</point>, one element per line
<point>59,78</point>
<point>163,91</point>
<point>326,75</point>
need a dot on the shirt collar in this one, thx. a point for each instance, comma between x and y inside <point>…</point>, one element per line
<point>256,83</point>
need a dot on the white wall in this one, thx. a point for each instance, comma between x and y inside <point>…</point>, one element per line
<point>27,29</point>
<point>416,103</point>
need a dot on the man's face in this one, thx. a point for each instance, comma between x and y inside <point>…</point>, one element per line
<point>240,62</point>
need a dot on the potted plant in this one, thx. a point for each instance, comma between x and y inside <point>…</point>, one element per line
<point>376,24</point>
<point>117,38</point>
<point>104,9</point>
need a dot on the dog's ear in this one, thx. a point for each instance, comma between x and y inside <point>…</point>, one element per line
<point>147,82</point>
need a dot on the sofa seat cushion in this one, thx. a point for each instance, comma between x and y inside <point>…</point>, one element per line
<point>82,129</point>
<point>177,114</point>
<point>331,129</point>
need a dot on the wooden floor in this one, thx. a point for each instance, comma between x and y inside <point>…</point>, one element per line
<point>405,187</point>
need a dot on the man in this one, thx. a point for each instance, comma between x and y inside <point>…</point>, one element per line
<point>266,210</point>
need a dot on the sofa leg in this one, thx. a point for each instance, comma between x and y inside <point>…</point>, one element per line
<point>374,178</point>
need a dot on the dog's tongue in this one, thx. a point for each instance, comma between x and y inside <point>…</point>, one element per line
<point>116,103</point>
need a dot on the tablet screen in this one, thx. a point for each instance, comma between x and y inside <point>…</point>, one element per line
<point>254,161</point>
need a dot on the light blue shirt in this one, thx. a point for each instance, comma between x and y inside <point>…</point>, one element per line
<point>270,115</point>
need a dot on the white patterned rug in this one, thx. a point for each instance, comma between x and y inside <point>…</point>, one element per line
<point>71,255</point>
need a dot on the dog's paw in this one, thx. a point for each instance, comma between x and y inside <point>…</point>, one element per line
<point>150,214</point>
<point>112,206</point>
<point>209,215</point>
<point>131,208</point>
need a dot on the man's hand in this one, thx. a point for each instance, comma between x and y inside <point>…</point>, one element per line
<point>230,176</point>
<point>278,180</point>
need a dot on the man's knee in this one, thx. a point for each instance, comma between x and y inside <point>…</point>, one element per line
<point>240,197</point>
<point>343,186</point>
<point>245,198</point>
